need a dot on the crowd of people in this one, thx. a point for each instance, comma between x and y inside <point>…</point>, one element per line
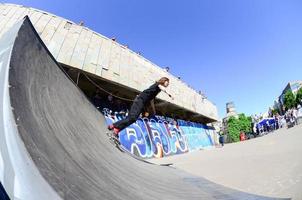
<point>108,104</point>
<point>289,119</point>
<point>269,125</point>
<point>111,104</point>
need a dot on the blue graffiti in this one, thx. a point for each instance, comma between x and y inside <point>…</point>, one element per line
<point>160,136</point>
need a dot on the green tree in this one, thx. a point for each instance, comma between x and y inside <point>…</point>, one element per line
<point>245,123</point>
<point>299,97</point>
<point>235,126</point>
<point>233,129</point>
<point>275,111</point>
<point>289,100</point>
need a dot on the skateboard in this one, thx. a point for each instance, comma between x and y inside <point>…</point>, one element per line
<point>115,141</point>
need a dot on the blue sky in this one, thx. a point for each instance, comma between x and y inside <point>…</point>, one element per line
<point>233,50</point>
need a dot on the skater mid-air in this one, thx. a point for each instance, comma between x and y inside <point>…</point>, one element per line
<point>145,98</point>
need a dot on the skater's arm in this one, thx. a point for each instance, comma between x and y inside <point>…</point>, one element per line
<point>163,90</point>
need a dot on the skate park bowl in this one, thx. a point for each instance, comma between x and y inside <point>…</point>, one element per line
<point>53,142</point>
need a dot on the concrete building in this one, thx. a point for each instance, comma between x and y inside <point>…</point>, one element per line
<point>230,112</point>
<point>292,86</point>
<point>85,53</point>
<point>230,109</point>
<point>277,105</point>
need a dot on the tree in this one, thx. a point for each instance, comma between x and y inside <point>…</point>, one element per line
<point>299,97</point>
<point>275,111</point>
<point>289,100</point>
<point>245,123</point>
<point>235,126</point>
<point>233,129</point>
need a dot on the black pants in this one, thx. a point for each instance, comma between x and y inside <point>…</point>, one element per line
<point>135,110</point>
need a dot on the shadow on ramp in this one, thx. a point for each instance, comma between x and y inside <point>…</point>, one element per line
<point>65,138</point>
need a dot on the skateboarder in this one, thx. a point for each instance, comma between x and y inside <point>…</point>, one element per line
<point>143,99</point>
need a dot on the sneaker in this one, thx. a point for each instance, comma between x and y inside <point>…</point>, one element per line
<point>116,132</point>
<point>110,127</point>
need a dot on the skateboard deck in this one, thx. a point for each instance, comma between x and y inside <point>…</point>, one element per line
<point>113,140</point>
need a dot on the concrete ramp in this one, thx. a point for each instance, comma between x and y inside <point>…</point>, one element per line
<point>53,143</point>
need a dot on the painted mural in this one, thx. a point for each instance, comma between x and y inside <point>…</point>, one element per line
<point>161,136</point>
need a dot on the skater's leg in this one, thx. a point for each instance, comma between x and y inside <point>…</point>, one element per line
<point>134,113</point>
<point>125,122</point>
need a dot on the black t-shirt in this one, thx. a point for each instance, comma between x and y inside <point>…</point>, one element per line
<point>148,94</point>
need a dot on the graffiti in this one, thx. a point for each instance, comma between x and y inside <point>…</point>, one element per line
<point>159,136</point>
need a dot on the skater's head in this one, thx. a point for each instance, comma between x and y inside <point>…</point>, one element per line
<point>146,114</point>
<point>164,81</point>
<point>110,98</point>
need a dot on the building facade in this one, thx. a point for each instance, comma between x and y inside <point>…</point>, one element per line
<point>230,112</point>
<point>293,86</point>
<point>78,47</point>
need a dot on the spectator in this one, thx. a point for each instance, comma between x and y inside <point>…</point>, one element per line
<point>280,120</point>
<point>252,127</point>
<point>98,101</point>
<point>291,117</point>
<point>120,106</point>
<point>276,122</point>
<point>268,127</point>
<point>257,129</point>
<point>295,115</point>
<point>109,103</point>
<point>221,139</point>
<point>81,23</point>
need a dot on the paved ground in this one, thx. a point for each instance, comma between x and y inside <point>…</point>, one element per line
<point>270,165</point>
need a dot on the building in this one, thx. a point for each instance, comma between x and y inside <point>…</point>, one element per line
<point>92,60</point>
<point>277,105</point>
<point>230,109</point>
<point>230,112</point>
<point>293,86</point>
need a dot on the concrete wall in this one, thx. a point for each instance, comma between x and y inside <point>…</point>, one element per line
<point>82,48</point>
<point>159,137</point>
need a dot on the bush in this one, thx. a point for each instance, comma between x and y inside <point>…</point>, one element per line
<point>235,126</point>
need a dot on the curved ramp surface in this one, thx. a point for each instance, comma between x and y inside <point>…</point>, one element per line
<point>64,137</point>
